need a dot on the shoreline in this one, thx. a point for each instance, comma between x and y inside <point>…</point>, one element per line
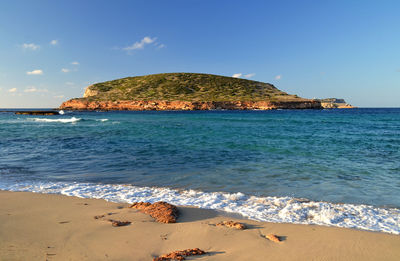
<point>36,226</point>
<point>263,209</point>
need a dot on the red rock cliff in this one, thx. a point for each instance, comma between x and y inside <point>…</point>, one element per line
<point>84,104</point>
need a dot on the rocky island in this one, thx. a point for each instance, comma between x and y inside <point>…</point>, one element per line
<point>186,91</point>
<point>334,103</point>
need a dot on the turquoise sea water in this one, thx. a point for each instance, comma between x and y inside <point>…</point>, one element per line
<point>335,156</point>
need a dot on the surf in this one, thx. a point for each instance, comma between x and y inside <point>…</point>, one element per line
<point>267,209</point>
<point>63,120</point>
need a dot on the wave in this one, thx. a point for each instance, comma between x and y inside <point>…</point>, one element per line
<point>268,209</point>
<point>64,120</point>
<point>67,120</point>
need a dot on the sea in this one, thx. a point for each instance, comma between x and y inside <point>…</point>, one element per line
<point>337,167</point>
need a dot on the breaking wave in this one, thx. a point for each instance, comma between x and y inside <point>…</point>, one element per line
<point>64,120</point>
<point>269,209</point>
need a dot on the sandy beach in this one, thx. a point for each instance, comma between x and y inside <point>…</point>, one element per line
<point>55,227</point>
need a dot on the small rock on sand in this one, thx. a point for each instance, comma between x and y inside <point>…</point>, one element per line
<point>180,255</point>
<point>273,238</point>
<point>117,223</point>
<point>231,224</point>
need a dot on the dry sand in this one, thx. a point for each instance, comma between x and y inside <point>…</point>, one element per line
<point>54,227</point>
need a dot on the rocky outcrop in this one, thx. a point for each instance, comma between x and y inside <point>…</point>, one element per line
<point>85,104</point>
<point>336,106</point>
<point>90,92</point>
<point>334,103</point>
<point>180,255</point>
<point>37,112</point>
<point>162,212</point>
<point>231,224</point>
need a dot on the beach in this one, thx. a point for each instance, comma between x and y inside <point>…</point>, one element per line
<point>36,226</point>
<point>174,130</point>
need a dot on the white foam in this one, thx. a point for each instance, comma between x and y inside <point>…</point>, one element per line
<point>63,120</point>
<point>270,209</point>
<point>61,112</point>
<point>102,120</point>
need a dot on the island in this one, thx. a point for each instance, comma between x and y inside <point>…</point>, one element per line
<point>335,103</point>
<point>186,91</point>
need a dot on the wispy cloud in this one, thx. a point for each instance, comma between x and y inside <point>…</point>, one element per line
<point>159,46</point>
<point>33,89</point>
<point>12,90</point>
<point>59,96</point>
<point>70,83</point>
<point>237,75</point>
<point>141,44</point>
<point>278,77</point>
<point>30,46</point>
<point>54,42</point>
<point>249,75</point>
<point>74,68</point>
<point>35,72</point>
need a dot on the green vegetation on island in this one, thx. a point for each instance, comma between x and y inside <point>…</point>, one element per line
<point>186,87</point>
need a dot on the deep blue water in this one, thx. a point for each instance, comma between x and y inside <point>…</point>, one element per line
<point>349,156</point>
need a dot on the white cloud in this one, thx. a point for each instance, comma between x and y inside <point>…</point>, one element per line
<point>12,90</point>
<point>70,83</point>
<point>35,72</point>
<point>140,45</point>
<point>64,70</point>
<point>249,75</point>
<point>160,46</point>
<point>30,46</point>
<point>278,77</point>
<point>59,96</point>
<point>54,42</point>
<point>237,75</point>
<point>75,63</point>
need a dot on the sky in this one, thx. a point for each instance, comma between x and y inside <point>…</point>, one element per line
<point>50,51</point>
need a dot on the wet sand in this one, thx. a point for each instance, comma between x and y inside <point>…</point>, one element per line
<point>55,227</point>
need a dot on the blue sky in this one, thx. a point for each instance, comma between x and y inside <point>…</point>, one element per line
<point>51,50</point>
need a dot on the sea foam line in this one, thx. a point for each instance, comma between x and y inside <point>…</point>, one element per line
<point>268,209</point>
<point>64,120</point>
